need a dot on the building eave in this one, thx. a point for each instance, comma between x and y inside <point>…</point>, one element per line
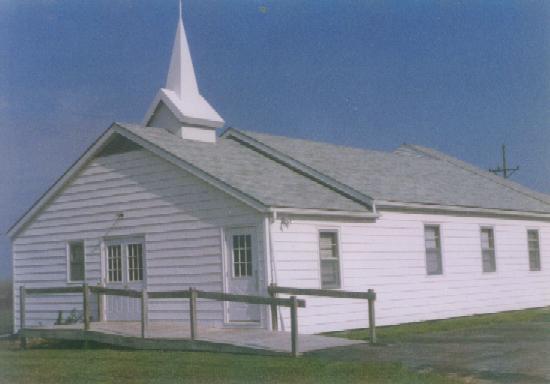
<point>276,211</point>
<point>459,210</point>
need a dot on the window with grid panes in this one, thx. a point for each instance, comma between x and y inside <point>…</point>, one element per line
<point>534,249</point>
<point>135,262</point>
<point>434,264</point>
<point>114,263</point>
<point>242,255</point>
<point>488,250</point>
<point>330,260</point>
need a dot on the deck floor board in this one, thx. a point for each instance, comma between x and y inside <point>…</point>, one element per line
<point>244,339</point>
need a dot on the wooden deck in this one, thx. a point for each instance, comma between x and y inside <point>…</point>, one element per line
<point>176,336</point>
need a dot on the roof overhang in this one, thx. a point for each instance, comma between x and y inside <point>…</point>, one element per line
<point>357,215</point>
<point>459,210</point>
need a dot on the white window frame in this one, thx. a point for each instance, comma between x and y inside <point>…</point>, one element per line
<point>539,248</point>
<point>441,253</point>
<point>68,256</point>
<point>124,242</point>
<point>339,249</point>
<point>492,229</point>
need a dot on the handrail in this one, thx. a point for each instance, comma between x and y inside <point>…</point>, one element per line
<point>53,290</point>
<point>369,295</point>
<point>249,299</point>
<point>322,292</point>
<point>116,291</point>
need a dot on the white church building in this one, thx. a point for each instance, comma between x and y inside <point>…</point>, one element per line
<point>170,204</point>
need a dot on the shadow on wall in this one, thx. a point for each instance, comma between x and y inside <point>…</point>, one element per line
<point>6,320</point>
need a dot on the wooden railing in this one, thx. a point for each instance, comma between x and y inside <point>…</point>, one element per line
<point>192,294</point>
<point>369,295</point>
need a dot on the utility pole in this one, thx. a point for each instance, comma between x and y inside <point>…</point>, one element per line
<point>506,172</point>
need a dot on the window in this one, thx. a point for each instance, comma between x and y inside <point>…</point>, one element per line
<point>242,255</point>
<point>114,263</point>
<point>135,262</point>
<point>488,250</point>
<point>330,259</point>
<point>432,239</point>
<point>534,249</point>
<point>76,261</point>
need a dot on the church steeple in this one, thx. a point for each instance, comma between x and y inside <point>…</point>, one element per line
<point>179,106</point>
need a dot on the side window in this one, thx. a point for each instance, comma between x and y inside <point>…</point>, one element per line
<point>534,249</point>
<point>488,250</point>
<point>330,260</point>
<point>76,261</point>
<point>432,240</point>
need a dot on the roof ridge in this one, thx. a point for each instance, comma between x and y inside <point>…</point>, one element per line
<point>297,166</point>
<point>245,131</point>
<point>435,154</point>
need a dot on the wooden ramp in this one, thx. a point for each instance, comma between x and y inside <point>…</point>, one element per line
<point>175,336</point>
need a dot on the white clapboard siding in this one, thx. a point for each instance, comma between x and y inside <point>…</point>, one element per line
<point>179,216</point>
<point>389,256</point>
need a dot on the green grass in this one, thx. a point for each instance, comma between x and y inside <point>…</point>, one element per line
<point>397,333</point>
<point>67,363</point>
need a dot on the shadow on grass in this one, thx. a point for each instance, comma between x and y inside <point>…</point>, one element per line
<point>73,344</point>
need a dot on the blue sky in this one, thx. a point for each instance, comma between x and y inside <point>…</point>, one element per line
<point>459,76</point>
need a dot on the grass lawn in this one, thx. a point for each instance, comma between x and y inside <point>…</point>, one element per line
<point>68,363</point>
<point>390,334</point>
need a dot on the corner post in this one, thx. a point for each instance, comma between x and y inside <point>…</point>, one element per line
<point>86,306</point>
<point>294,325</point>
<point>22,320</point>
<point>273,294</point>
<point>372,319</point>
<point>144,312</point>
<point>193,312</point>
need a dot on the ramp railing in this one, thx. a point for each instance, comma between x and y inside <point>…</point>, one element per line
<point>191,294</point>
<point>369,295</point>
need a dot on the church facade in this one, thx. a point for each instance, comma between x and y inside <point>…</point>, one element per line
<point>169,204</point>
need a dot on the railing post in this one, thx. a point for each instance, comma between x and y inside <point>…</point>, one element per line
<point>86,306</point>
<point>144,312</point>
<point>100,298</point>
<point>193,312</point>
<point>294,325</point>
<point>22,299</point>
<point>372,319</point>
<point>273,294</point>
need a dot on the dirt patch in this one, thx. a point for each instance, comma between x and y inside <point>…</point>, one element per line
<point>511,353</point>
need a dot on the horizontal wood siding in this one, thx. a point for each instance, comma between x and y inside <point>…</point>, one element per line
<point>179,216</point>
<point>389,257</point>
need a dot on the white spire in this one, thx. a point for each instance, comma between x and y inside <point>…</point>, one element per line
<point>179,106</point>
<point>181,75</point>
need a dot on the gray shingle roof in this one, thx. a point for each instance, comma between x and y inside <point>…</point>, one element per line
<point>248,171</point>
<point>411,174</point>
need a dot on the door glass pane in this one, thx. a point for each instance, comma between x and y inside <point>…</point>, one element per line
<point>114,263</point>
<point>242,255</point>
<point>135,262</point>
